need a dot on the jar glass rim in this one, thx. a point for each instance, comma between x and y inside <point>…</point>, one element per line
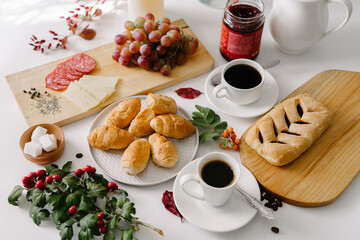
<point>259,6</point>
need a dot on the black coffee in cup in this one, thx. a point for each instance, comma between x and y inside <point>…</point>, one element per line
<point>217,173</point>
<point>242,76</point>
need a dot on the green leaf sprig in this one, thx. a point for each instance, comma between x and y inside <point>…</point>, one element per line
<point>210,122</point>
<point>79,198</point>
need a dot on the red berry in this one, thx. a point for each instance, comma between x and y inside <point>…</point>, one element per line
<point>26,180</point>
<point>56,177</point>
<point>112,186</point>
<point>103,230</point>
<point>100,223</point>
<point>79,172</point>
<point>87,168</point>
<point>40,185</point>
<point>40,173</point>
<point>72,210</point>
<point>49,179</point>
<point>101,216</point>
<point>32,175</point>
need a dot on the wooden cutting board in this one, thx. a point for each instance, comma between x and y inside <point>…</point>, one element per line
<point>133,81</point>
<point>324,171</point>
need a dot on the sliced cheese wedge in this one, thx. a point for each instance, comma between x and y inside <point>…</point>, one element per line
<point>100,87</point>
<point>81,97</point>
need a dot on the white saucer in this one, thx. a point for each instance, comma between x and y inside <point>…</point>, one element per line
<point>267,100</point>
<point>231,216</point>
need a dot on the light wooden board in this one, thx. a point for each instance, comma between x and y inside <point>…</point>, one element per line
<point>133,81</point>
<point>324,171</point>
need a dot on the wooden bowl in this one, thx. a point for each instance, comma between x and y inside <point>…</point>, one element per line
<point>45,157</point>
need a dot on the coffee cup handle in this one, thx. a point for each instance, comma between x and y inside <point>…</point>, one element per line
<point>188,178</point>
<point>220,94</point>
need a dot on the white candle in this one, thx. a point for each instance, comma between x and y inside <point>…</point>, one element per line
<point>142,7</point>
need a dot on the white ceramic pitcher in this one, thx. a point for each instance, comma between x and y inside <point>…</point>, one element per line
<point>296,25</point>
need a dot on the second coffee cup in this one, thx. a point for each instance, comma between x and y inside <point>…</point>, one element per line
<point>242,81</point>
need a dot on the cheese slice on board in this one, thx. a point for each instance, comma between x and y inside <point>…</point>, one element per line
<point>100,87</point>
<point>81,97</point>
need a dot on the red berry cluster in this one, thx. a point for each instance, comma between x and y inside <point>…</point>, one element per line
<point>101,224</point>
<point>87,169</point>
<point>39,179</point>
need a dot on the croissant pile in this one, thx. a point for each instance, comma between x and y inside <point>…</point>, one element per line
<point>158,119</point>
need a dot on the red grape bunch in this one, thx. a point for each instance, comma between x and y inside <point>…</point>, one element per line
<point>153,44</point>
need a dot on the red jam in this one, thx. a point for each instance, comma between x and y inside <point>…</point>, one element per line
<point>241,30</point>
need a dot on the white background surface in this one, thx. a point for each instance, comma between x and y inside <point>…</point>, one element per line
<point>19,19</point>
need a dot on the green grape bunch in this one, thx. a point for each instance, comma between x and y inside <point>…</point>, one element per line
<point>153,44</point>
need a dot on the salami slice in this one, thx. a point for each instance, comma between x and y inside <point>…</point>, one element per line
<point>50,83</point>
<point>67,73</point>
<point>82,63</point>
<point>71,70</point>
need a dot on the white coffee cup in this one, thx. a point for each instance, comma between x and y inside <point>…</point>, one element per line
<point>239,95</point>
<point>213,196</point>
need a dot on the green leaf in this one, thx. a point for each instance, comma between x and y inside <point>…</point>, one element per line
<point>49,169</point>
<point>15,195</point>
<point>60,215</point>
<point>34,214</point>
<point>127,234</point>
<point>98,178</point>
<point>66,168</point>
<point>66,233</point>
<point>197,114</point>
<point>39,198</point>
<point>210,116</point>
<point>109,235</point>
<point>121,201</point>
<point>29,194</point>
<point>73,199</point>
<point>200,120</point>
<point>37,213</point>
<point>86,234</point>
<point>127,210</point>
<point>215,121</point>
<point>221,127</point>
<point>58,171</point>
<point>225,142</point>
<point>86,204</point>
<point>120,191</point>
<point>71,181</point>
<point>206,136</point>
<point>203,110</point>
<point>89,221</point>
<point>113,222</point>
<point>96,189</point>
<point>56,200</point>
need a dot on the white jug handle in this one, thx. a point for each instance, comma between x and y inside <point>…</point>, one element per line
<point>349,10</point>
<point>194,178</point>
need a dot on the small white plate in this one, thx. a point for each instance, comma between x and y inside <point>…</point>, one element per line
<point>110,161</point>
<point>262,105</point>
<point>234,214</point>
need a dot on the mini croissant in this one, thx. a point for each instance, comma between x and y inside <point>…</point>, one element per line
<point>136,157</point>
<point>171,125</point>
<point>140,126</point>
<point>161,104</point>
<point>110,137</point>
<point>164,152</point>
<point>122,115</point>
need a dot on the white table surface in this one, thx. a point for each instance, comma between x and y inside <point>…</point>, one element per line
<point>19,19</point>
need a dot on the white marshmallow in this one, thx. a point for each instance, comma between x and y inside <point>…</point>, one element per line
<point>37,133</point>
<point>53,139</point>
<point>33,149</point>
<point>47,142</point>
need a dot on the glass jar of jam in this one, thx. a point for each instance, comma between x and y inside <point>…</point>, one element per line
<point>241,29</point>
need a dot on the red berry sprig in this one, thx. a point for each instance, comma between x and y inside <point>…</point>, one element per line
<point>77,25</point>
<point>229,140</point>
